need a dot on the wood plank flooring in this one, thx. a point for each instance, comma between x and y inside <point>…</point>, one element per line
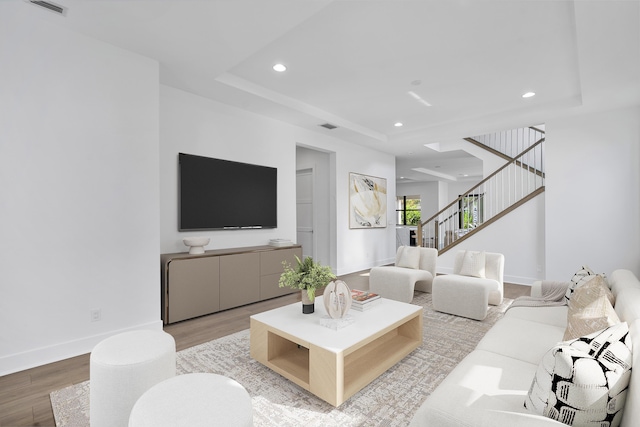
<point>24,396</point>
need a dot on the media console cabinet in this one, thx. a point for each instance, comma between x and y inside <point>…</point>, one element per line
<point>195,285</point>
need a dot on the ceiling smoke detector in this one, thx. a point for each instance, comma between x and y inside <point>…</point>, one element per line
<point>328,126</point>
<point>49,6</point>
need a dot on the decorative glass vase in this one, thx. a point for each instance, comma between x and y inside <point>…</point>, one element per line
<point>308,305</point>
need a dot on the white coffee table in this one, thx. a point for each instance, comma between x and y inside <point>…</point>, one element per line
<point>335,364</point>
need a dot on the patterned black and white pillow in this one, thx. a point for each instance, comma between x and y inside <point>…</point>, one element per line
<point>584,381</point>
<point>583,275</point>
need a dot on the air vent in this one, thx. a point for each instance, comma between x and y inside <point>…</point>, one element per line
<point>49,6</point>
<point>329,126</point>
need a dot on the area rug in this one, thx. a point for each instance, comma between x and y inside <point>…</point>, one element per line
<point>390,400</point>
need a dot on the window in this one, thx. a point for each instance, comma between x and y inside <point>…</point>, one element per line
<point>472,208</point>
<point>408,210</point>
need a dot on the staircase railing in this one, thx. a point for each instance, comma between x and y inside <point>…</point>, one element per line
<point>509,143</point>
<point>519,180</point>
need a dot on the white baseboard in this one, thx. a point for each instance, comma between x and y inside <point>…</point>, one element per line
<point>65,350</point>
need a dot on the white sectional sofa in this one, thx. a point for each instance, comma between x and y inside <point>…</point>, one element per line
<point>489,386</point>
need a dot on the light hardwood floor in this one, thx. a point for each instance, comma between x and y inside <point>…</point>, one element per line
<point>24,396</point>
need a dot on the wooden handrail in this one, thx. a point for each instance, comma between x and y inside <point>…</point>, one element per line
<point>504,156</point>
<point>506,165</point>
<point>491,220</point>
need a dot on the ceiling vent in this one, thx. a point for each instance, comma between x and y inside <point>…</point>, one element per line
<point>329,126</point>
<point>49,6</point>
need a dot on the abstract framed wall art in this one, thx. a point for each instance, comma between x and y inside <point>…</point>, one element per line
<point>367,201</point>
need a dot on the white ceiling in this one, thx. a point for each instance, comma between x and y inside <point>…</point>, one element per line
<point>354,63</point>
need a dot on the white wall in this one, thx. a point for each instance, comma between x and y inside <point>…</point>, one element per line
<point>456,189</point>
<point>195,125</point>
<point>359,249</point>
<point>79,191</point>
<point>428,192</point>
<point>593,193</point>
<point>519,236</point>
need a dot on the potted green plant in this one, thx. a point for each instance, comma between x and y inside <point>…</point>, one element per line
<point>306,276</point>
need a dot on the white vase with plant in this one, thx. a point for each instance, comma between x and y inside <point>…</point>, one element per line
<point>307,276</point>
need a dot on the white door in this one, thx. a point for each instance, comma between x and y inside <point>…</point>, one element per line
<point>304,210</point>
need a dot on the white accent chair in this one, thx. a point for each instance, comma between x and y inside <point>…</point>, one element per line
<point>476,282</point>
<point>415,268</point>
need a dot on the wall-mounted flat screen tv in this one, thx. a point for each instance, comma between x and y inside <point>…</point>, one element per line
<point>219,194</point>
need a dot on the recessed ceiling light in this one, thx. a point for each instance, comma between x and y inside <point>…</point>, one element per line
<point>280,68</point>
<point>529,94</point>
<point>398,124</point>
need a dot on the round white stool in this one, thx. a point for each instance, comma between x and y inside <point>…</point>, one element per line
<point>122,368</point>
<point>193,400</point>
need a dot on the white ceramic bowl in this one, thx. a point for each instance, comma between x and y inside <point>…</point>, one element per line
<point>196,244</point>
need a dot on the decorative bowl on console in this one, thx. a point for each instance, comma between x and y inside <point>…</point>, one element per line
<point>196,244</point>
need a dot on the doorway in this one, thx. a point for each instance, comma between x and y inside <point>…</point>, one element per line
<point>304,211</point>
<point>315,204</point>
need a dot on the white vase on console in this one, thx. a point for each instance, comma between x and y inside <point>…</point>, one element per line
<point>196,244</point>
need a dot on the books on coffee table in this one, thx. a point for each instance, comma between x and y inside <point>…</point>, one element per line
<point>363,300</point>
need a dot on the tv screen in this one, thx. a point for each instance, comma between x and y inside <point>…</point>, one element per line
<point>221,194</point>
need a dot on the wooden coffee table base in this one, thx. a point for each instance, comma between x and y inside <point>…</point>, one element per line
<point>335,374</point>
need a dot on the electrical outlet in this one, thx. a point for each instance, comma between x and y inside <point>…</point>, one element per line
<point>96,315</point>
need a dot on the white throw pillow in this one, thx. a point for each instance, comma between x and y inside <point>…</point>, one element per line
<point>473,264</point>
<point>584,381</point>
<point>409,257</point>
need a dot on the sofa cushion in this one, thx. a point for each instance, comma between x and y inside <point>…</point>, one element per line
<point>521,339</point>
<point>484,389</point>
<point>584,381</point>
<point>590,309</point>
<point>408,257</point>
<point>553,315</point>
<point>622,279</point>
<point>628,304</point>
<point>473,264</point>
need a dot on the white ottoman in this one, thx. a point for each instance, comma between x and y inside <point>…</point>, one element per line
<point>193,400</point>
<point>122,368</point>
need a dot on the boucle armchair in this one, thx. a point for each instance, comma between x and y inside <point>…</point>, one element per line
<point>476,282</point>
<point>415,268</point>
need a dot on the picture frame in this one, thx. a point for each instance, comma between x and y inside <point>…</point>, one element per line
<point>367,201</point>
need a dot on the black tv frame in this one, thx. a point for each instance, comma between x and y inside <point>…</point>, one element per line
<point>218,194</point>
